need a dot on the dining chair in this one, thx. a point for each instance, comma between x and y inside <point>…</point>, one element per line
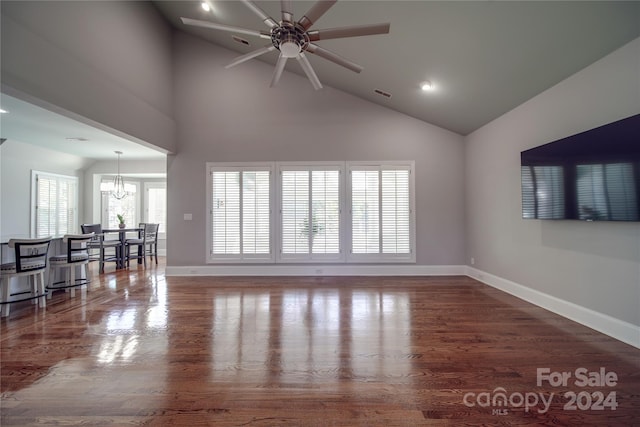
<point>147,236</point>
<point>77,254</point>
<point>30,261</point>
<point>98,246</point>
<point>151,231</point>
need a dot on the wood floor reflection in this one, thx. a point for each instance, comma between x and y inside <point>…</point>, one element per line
<point>144,349</point>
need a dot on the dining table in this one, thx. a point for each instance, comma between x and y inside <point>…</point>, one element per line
<point>122,235</point>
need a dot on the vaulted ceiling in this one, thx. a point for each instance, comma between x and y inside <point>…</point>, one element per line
<point>483,58</point>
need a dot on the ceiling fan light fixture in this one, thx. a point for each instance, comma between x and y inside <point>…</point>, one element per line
<point>426,86</point>
<point>289,49</point>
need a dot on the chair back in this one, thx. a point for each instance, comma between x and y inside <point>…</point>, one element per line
<point>91,228</point>
<point>77,245</point>
<point>150,232</point>
<point>31,254</point>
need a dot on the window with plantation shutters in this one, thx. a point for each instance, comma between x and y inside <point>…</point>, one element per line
<point>311,212</point>
<point>55,204</point>
<point>310,206</point>
<point>240,213</point>
<point>382,218</point>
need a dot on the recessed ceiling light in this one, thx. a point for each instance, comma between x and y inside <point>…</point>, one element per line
<point>3,111</point>
<point>205,6</point>
<point>76,138</point>
<point>426,86</point>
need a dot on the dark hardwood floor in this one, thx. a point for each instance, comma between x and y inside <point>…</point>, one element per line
<point>144,349</point>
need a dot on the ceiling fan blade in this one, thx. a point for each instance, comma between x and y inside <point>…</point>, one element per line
<point>250,55</point>
<point>316,11</point>
<point>287,10</point>
<point>352,31</point>
<point>308,70</point>
<point>333,57</point>
<point>282,61</point>
<point>269,21</point>
<point>215,26</point>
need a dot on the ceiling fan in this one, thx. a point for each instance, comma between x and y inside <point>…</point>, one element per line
<point>293,38</point>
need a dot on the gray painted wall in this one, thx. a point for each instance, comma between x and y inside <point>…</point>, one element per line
<point>233,115</point>
<point>594,265</point>
<point>105,63</point>
<point>17,160</point>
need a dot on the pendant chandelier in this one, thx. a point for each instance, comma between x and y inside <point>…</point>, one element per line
<point>118,183</point>
<point>117,188</point>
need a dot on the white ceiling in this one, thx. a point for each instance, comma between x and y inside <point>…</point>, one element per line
<point>28,123</point>
<point>483,57</point>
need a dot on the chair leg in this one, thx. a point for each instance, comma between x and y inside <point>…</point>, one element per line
<point>5,284</point>
<point>101,260</point>
<point>87,275</point>
<point>52,274</point>
<point>72,279</point>
<point>42,291</point>
<point>33,280</point>
<point>155,251</point>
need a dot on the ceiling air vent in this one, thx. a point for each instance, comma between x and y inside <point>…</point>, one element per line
<point>382,93</point>
<point>240,40</point>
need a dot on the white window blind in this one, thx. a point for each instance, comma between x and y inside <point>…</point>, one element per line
<point>310,213</point>
<point>365,211</point>
<point>381,213</point>
<point>395,212</point>
<point>56,204</point>
<point>240,214</point>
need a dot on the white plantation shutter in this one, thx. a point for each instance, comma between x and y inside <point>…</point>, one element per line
<point>56,205</point>
<point>310,213</point>
<point>256,212</point>
<point>395,212</point>
<point>325,208</point>
<point>381,213</point>
<point>240,214</point>
<point>365,212</point>
<point>295,212</point>
<point>226,212</point>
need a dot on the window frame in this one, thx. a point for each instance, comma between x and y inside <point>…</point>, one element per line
<point>212,258</point>
<point>310,257</point>
<point>380,257</point>
<point>35,176</point>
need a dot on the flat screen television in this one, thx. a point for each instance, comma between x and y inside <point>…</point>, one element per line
<point>590,176</point>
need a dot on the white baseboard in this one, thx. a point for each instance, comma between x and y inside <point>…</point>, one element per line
<point>317,270</point>
<point>615,328</point>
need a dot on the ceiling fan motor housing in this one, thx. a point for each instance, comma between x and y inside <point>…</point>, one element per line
<point>289,39</point>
